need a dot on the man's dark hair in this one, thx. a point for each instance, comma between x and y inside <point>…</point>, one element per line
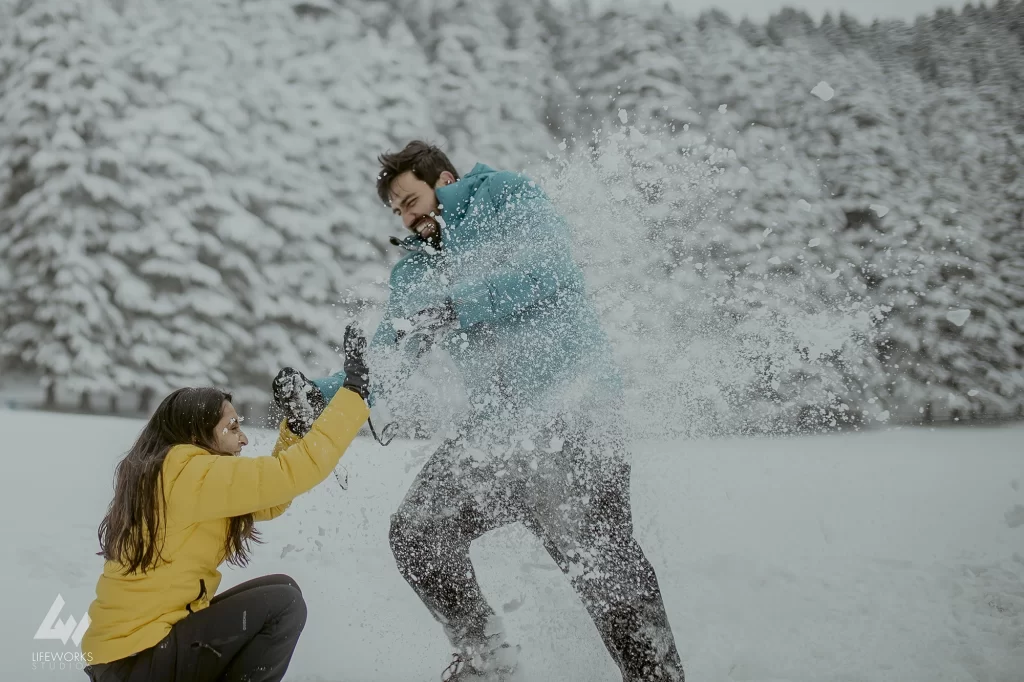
<point>426,162</point>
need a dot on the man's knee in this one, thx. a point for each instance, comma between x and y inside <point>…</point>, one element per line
<point>417,543</point>
<point>406,539</point>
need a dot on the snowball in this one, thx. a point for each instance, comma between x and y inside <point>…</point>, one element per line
<point>834,275</point>
<point>804,205</point>
<point>882,416</point>
<point>972,392</point>
<point>823,91</point>
<point>562,145</point>
<point>775,260</point>
<point>723,108</point>
<point>623,116</point>
<point>879,209</point>
<point>958,317</point>
<point>767,231</point>
<point>814,242</point>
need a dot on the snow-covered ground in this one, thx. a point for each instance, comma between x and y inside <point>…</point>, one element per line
<point>895,556</point>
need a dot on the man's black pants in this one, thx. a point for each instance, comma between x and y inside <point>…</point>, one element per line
<point>575,497</point>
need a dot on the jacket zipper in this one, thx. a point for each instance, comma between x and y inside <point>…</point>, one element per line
<point>202,593</point>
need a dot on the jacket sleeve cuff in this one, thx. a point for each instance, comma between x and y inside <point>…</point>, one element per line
<point>329,386</point>
<point>473,304</point>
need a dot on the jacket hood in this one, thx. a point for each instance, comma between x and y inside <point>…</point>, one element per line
<point>454,198</point>
<point>454,201</point>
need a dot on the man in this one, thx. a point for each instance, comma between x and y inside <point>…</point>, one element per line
<point>491,278</point>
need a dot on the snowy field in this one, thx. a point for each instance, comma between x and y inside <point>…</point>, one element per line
<point>895,557</point>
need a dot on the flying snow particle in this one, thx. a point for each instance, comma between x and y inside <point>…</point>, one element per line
<point>767,231</point>
<point>814,242</point>
<point>834,275</point>
<point>562,145</point>
<point>882,416</point>
<point>723,108</point>
<point>623,116</point>
<point>804,205</point>
<point>958,317</point>
<point>1015,517</point>
<point>635,135</point>
<point>823,91</point>
<point>879,209</point>
<point>509,607</point>
<point>744,170</point>
<point>973,392</point>
<point>775,260</point>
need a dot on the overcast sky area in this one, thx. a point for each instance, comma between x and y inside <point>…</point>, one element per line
<point>759,10</point>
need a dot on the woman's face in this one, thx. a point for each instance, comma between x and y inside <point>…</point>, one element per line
<point>227,435</point>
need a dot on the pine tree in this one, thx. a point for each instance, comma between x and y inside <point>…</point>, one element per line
<point>60,106</point>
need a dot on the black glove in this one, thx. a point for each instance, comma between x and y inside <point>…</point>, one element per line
<point>430,321</point>
<point>299,399</point>
<point>357,376</point>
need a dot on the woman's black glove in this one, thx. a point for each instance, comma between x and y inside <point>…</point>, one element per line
<point>357,376</point>
<point>299,399</point>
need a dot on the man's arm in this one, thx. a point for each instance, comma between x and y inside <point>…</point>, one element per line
<point>541,267</point>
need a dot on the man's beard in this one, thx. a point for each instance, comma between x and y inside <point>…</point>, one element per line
<point>429,230</point>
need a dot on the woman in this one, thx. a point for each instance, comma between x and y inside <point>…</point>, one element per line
<point>184,502</point>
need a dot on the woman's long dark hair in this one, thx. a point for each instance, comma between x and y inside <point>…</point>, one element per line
<point>130,533</point>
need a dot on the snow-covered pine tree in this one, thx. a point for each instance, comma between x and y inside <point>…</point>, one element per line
<point>60,104</point>
<point>487,81</point>
<point>774,259</point>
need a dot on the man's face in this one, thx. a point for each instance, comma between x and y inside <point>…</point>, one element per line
<point>414,201</point>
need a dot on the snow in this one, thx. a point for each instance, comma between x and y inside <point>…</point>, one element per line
<point>823,91</point>
<point>958,317</point>
<point>893,555</point>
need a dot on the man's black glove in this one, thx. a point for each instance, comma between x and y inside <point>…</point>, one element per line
<point>430,321</point>
<point>357,376</point>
